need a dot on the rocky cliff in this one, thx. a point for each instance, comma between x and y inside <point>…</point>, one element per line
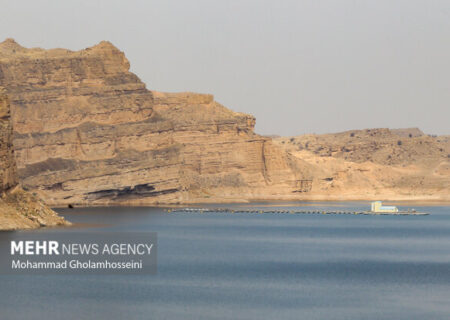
<point>374,163</point>
<point>87,131</point>
<point>18,209</point>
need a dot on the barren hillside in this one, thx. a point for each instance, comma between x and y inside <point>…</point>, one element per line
<point>383,163</point>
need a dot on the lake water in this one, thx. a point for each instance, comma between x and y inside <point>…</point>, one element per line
<point>255,266</point>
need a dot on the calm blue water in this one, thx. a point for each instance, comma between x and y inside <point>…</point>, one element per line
<point>255,266</point>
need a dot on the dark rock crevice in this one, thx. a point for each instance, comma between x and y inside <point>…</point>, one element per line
<point>129,192</point>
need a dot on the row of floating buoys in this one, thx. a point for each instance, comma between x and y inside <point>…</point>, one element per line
<point>261,211</point>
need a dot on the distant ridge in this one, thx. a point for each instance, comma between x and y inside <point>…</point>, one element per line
<point>394,163</point>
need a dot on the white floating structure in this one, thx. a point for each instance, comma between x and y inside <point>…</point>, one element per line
<point>377,206</point>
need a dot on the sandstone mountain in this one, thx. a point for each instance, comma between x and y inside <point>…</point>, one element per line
<point>87,131</point>
<point>374,163</point>
<point>18,209</point>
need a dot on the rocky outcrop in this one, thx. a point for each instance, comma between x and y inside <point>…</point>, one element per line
<point>18,209</point>
<point>374,163</point>
<point>87,131</point>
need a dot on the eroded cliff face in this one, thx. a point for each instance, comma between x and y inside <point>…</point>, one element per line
<point>18,209</point>
<point>87,131</point>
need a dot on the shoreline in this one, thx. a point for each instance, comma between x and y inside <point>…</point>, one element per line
<point>260,202</point>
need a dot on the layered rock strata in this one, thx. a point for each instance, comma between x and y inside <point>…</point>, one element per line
<point>87,131</point>
<point>18,209</point>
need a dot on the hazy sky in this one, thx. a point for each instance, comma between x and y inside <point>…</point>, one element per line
<point>298,66</point>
